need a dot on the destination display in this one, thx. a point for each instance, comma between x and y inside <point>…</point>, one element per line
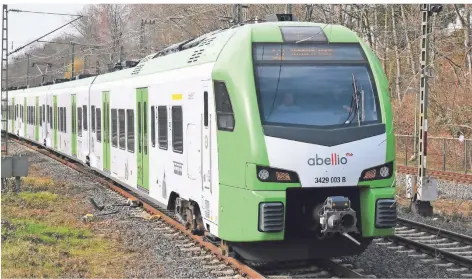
<point>298,52</point>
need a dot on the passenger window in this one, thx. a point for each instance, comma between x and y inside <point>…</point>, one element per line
<point>92,113</point>
<point>122,135</point>
<point>114,128</point>
<point>205,108</point>
<point>50,117</point>
<point>99,124</point>
<point>40,115</point>
<point>130,120</point>
<point>65,119</point>
<point>224,108</point>
<point>84,116</point>
<point>60,119</point>
<point>145,142</point>
<point>153,127</point>
<point>79,121</point>
<point>44,116</point>
<point>162,126</point>
<point>139,127</point>
<point>177,129</point>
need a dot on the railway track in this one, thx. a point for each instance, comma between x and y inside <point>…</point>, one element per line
<point>433,245</point>
<point>449,176</point>
<point>202,249</point>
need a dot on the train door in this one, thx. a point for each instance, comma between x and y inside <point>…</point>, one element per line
<point>44,127</point>
<point>36,122</point>
<point>49,128</point>
<point>106,130</point>
<point>206,158</point>
<point>74,126</point>
<point>143,140</point>
<point>54,101</point>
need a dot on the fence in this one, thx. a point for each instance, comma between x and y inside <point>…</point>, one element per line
<point>446,154</point>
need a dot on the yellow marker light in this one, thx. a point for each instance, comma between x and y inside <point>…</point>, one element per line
<point>282,176</point>
<point>176,97</point>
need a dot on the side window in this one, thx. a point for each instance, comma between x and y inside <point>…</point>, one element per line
<point>224,108</point>
<point>122,134</point>
<point>79,121</point>
<point>50,117</point>
<point>153,126</point>
<point>60,119</point>
<point>65,119</point>
<point>114,128</point>
<point>44,113</point>
<point>162,126</point>
<point>99,124</point>
<point>145,142</point>
<point>40,115</point>
<point>130,120</point>
<point>205,108</point>
<point>139,127</point>
<point>177,129</point>
<point>92,114</point>
<point>47,113</point>
<point>84,116</point>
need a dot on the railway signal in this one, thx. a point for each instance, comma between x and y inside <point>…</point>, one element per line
<point>423,189</point>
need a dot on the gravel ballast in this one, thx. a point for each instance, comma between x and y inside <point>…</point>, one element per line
<point>386,263</point>
<point>159,254</point>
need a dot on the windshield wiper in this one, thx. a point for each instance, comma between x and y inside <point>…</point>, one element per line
<point>354,103</point>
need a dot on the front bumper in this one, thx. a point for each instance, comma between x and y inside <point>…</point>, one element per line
<point>240,213</point>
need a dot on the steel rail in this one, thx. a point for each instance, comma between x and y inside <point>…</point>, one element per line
<point>430,249</point>
<point>436,231</point>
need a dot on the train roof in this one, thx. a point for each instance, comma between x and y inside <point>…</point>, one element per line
<point>206,49</point>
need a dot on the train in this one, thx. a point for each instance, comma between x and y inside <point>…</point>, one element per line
<point>274,138</point>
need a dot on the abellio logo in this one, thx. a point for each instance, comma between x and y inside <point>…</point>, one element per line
<point>334,160</point>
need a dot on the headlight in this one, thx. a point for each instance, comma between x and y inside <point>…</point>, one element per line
<point>267,174</point>
<point>379,172</point>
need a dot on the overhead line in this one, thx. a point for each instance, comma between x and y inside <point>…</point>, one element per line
<point>22,47</point>
<point>23,11</point>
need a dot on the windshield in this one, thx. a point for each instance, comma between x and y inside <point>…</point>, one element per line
<point>315,90</point>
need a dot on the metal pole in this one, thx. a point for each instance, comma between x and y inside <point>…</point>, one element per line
<point>141,39</point>
<point>4,77</point>
<point>73,58</point>
<point>27,69</point>
<point>288,9</point>
<point>426,190</point>
<point>85,64</point>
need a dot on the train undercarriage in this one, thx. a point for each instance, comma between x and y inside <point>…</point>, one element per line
<point>320,223</point>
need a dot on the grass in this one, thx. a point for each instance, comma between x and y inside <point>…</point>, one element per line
<point>42,236</point>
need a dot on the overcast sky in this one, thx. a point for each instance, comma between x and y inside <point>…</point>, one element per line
<point>25,27</point>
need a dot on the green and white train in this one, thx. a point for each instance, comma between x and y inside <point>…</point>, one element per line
<point>274,137</point>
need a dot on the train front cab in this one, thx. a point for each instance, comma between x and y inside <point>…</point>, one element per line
<point>269,215</point>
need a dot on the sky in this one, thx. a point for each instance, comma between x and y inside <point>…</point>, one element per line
<point>26,27</point>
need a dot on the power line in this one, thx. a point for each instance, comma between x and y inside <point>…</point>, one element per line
<point>46,13</point>
<point>22,47</point>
